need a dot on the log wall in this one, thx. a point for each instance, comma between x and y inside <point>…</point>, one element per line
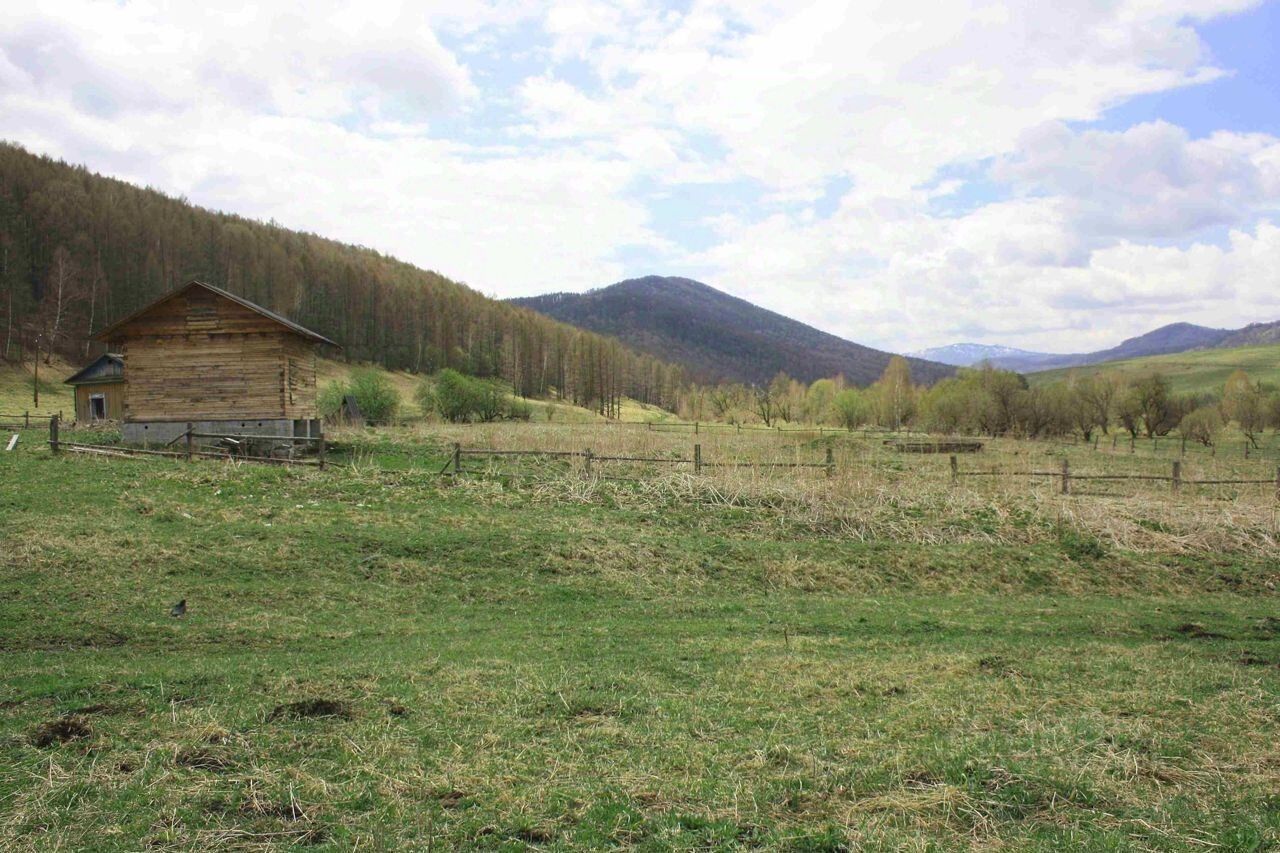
<point>112,391</point>
<point>200,356</point>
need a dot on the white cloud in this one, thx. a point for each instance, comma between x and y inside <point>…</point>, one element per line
<point>1150,181</point>
<point>893,93</point>
<point>526,146</point>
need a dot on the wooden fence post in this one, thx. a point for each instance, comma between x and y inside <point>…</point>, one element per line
<point>696,427</point>
<point>1114,439</point>
<point>1176,482</point>
<point>26,419</point>
<point>955,469</point>
<point>191,440</point>
<point>1246,449</point>
<point>1066,477</point>
<point>53,433</point>
<point>320,448</point>
<point>1096,439</point>
<point>586,461</point>
<point>697,459</point>
<point>457,459</point>
<point>831,463</point>
<point>1183,452</point>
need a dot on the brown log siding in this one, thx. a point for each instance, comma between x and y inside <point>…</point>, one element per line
<point>112,391</point>
<point>199,356</point>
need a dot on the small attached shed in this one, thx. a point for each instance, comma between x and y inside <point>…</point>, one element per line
<point>204,356</point>
<point>99,388</point>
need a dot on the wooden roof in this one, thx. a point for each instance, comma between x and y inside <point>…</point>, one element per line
<point>288,324</point>
<point>107,367</point>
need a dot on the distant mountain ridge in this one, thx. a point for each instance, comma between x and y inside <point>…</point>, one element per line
<point>1252,335</point>
<point>968,354</point>
<point>1173,338</point>
<point>717,336</point>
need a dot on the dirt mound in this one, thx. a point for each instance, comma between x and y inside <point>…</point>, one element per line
<point>309,708</point>
<point>61,730</point>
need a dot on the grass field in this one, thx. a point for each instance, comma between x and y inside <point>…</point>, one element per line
<point>1203,371</point>
<point>376,659</point>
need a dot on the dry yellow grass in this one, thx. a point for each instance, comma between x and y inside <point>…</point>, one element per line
<point>878,494</point>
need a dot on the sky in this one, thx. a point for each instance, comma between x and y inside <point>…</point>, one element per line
<point>1050,175</point>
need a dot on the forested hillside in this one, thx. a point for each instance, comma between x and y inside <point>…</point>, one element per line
<point>78,250</point>
<point>717,336</point>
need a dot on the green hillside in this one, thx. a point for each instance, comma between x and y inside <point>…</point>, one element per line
<point>1195,372</point>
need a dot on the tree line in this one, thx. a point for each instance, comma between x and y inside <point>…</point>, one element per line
<point>993,402</point>
<point>78,250</point>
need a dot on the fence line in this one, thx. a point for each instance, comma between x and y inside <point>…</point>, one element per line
<point>190,451</point>
<point>1175,478</point>
<point>454,467</point>
<point>23,421</point>
<point>589,457</point>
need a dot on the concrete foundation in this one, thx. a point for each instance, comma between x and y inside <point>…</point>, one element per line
<point>163,432</point>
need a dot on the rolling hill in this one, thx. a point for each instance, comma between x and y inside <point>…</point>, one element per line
<point>1174,338</point>
<point>1198,371</point>
<point>717,336</point>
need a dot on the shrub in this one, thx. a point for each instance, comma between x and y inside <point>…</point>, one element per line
<point>852,409</point>
<point>491,400</point>
<point>519,410</point>
<point>377,397</point>
<point>458,398</point>
<point>454,397</point>
<point>330,400</point>
<point>1202,425</point>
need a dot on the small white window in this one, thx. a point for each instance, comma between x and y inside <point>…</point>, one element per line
<point>97,407</point>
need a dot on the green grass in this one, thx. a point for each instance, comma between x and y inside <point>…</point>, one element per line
<point>508,668</point>
<point>1203,371</point>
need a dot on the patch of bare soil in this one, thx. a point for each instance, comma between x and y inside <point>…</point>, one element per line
<point>311,708</point>
<point>61,730</point>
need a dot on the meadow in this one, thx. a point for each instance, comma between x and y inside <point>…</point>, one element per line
<point>379,657</point>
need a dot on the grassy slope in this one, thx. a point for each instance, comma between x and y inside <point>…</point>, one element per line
<point>16,389</point>
<point>1201,371</point>
<point>527,667</point>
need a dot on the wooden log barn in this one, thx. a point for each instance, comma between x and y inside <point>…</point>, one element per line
<point>204,356</point>
<point>99,389</point>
